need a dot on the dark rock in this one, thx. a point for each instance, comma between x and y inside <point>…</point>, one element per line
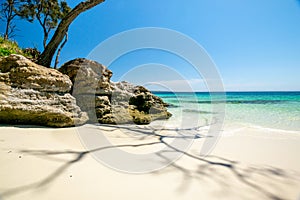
<point>143,106</point>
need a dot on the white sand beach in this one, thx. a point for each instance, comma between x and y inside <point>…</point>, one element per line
<point>143,100</point>
<point>247,163</point>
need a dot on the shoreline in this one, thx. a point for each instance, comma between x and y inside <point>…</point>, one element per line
<point>261,166</point>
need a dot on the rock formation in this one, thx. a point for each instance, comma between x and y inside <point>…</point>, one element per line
<point>108,102</point>
<point>33,94</point>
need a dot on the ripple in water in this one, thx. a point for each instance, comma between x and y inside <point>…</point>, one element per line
<point>279,110</point>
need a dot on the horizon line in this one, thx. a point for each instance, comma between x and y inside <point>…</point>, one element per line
<point>230,91</point>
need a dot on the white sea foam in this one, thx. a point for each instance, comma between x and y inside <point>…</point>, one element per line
<point>275,129</point>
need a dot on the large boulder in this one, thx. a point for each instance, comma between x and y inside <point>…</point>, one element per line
<point>25,74</point>
<point>140,103</point>
<point>87,75</point>
<point>108,102</point>
<point>33,94</point>
<point>91,87</point>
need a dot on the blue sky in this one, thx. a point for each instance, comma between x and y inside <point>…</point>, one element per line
<point>255,44</point>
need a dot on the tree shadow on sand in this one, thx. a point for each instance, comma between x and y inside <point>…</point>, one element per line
<point>207,167</point>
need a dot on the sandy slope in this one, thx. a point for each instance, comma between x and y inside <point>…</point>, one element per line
<point>247,163</point>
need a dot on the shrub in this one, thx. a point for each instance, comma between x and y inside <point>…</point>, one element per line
<point>31,53</point>
<point>8,47</point>
<point>6,51</point>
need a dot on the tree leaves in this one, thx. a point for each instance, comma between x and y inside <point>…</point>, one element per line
<point>47,12</point>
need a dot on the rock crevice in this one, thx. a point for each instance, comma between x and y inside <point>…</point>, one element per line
<point>33,94</point>
<point>109,102</point>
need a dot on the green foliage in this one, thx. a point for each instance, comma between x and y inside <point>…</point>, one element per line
<point>47,12</point>
<point>6,52</point>
<point>31,53</point>
<point>8,47</point>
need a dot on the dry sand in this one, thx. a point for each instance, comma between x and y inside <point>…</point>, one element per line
<point>40,163</point>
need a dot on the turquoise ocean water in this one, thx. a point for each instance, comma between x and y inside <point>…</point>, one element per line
<point>275,110</point>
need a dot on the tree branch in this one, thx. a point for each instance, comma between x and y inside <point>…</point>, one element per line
<point>59,50</point>
<point>47,55</point>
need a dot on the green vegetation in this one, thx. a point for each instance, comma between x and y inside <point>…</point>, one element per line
<point>48,13</point>
<point>8,47</point>
<point>53,15</point>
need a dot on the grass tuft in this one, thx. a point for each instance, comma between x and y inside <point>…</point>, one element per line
<point>8,47</point>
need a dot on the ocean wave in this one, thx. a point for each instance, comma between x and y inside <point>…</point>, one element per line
<point>236,101</point>
<point>274,129</point>
<point>197,111</point>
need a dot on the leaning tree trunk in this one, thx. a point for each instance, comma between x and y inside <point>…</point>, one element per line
<point>46,57</point>
<point>59,50</point>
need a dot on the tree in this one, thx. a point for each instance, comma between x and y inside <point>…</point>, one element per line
<point>59,50</point>
<point>61,31</point>
<point>47,12</point>
<point>8,13</point>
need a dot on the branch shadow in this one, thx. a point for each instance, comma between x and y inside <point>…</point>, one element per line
<point>207,167</point>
